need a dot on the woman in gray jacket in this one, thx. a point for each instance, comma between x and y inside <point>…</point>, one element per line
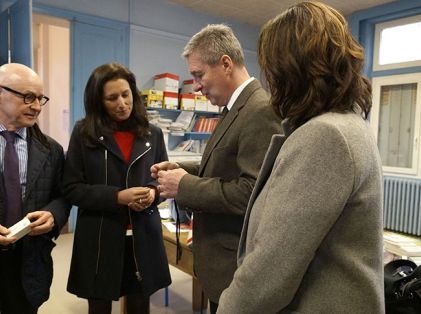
<point>312,237</point>
<point>118,247</point>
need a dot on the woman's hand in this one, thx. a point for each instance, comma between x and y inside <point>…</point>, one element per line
<point>137,198</point>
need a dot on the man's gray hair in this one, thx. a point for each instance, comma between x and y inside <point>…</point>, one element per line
<point>214,41</point>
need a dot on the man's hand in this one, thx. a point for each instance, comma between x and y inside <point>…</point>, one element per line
<point>165,165</point>
<point>3,240</point>
<point>169,181</point>
<point>41,222</point>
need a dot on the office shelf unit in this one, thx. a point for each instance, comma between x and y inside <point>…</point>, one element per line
<point>175,138</point>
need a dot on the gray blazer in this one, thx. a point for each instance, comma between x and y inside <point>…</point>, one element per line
<point>219,188</point>
<point>312,237</point>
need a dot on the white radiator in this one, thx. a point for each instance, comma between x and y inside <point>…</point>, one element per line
<point>402,205</point>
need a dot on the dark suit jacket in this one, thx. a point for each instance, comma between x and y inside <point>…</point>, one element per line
<point>43,192</point>
<point>219,188</point>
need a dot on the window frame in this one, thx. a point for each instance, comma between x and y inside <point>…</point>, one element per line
<point>377,36</point>
<point>377,83</point>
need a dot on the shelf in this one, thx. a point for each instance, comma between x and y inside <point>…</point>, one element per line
<point>177,156</point>
<point>192,135</point>
<point>174,138</point>
<point>178,110</point>
<point>197,135</point>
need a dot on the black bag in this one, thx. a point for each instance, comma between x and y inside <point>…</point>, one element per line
<point>402,287</point>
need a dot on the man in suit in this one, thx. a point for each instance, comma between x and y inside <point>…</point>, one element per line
<point>31,166</point>
<point>218,189</point>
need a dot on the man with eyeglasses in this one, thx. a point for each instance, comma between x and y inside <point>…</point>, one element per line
<point>31,168</point>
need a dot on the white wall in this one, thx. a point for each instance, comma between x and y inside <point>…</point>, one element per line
<point>52,62</point>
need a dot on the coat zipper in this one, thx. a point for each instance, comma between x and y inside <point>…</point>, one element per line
<point>102,216</point>
<point>136,262</point>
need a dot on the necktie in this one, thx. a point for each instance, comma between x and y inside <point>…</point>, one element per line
<point>224,112</point>
<point>11,180</point>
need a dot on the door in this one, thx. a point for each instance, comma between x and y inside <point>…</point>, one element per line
<point>92,46</point>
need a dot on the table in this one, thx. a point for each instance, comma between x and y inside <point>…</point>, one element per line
<point>403,245</point>
<point>185,264</point>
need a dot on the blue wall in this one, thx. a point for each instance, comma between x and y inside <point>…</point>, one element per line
<point>158,32</point>
<point>5,4</point>
<point>363,23</point>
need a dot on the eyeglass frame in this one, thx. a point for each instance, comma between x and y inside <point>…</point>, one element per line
<point>42,99</point>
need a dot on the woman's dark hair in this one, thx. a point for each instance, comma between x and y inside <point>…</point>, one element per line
<point>312,64</point>
<point>97,121</point>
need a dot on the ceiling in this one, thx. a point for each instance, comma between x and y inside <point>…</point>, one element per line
<point>256,12</point>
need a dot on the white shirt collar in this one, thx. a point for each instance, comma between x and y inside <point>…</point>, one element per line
<point>237,92</point>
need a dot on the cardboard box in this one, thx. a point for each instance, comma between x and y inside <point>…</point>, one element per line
<point>170,100</point>
<point>212,108</point>
<point>187,87</point>
<point>20,229</point>
<point>166,82</point>
<point>152,98</point>
<point>201,103</point>
<point>187,102</point>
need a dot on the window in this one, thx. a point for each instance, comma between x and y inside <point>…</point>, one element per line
<point>396,120</point>
<point>396,44</point>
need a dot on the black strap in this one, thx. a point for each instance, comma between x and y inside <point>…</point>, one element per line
<point>179,250</point>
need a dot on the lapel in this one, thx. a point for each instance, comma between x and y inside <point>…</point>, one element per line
<point>111,145</point>
<point>37,157</point>
<point>225,124</point>
<point>270,157</point>
<point>272,153</point>
<point>140,145</point>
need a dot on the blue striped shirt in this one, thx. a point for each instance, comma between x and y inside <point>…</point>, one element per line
<point>21,146</point>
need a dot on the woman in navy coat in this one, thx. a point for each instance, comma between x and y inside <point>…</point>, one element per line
<point>118,248</point>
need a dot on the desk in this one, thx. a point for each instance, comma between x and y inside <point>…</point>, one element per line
<point>185,264</point>
<point>402,245</point>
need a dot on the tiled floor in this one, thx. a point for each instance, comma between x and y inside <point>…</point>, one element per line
<point>62,302</point>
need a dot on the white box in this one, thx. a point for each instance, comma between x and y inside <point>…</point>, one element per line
<point>166,82</point>
<point>19,229</point>
<point>187,102</point>
<point>170,100</point>
<point>212,108</point>
<point>201,103</point>
<point>187,87</point>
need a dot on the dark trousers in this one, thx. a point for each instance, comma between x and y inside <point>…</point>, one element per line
<point>12,297</point>
<point>213,307</point>
<point>136,304</point>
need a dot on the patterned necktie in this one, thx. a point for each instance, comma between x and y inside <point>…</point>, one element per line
<point>11,180</point>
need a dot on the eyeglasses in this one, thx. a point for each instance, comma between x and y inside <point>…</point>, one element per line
<point>28,98</point>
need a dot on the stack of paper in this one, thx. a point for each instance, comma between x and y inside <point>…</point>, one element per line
<point>402,245</point>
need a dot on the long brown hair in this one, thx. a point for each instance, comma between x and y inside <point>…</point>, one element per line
<point>312,64</point>
<point>97,121</point>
